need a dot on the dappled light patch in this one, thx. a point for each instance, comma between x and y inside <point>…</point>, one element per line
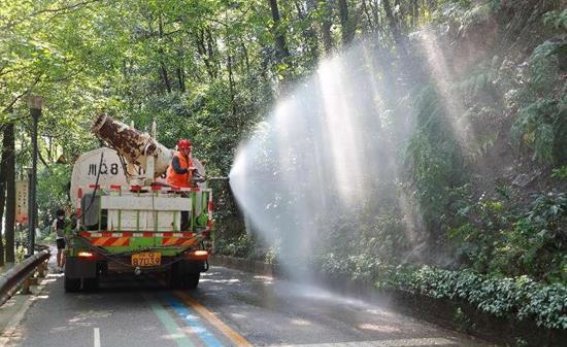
<point>380,312</point>
<point>382,328</point>
<point>224,281</point>
<point>300,322</point>
<point>175,336</point>
<point>87,318</point>
<point>268,280</point>
<point>238,315</point>
<point>39,297</point>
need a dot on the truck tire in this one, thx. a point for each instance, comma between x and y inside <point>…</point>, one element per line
<point>90,284</point>
<point>191,280</point>
<point>72,284</point>
<point>183,276</point>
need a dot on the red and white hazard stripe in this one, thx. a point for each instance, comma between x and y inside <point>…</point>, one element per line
<point>178,241</point>
<point>113,239</point>
<point>95,234</point>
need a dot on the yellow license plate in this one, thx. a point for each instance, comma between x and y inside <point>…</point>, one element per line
<point>146,259</point>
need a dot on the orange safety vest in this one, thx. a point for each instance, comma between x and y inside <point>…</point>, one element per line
<point>180,180</point>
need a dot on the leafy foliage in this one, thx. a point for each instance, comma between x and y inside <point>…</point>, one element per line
<point>498,240</point>
<point>434,160</point>
<point>557,19</point>
<point>521,296</point>
<point>541,123</point>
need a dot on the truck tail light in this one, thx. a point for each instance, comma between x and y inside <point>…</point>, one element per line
<point>85,254</point>
<point>198,255</point>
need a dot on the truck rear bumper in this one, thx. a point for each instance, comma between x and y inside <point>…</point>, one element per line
<point>76,267</point>
<point>193,265</point>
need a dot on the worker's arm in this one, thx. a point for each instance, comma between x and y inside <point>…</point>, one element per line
<point>178,169</point>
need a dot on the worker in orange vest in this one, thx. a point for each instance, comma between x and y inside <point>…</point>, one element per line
<point>180,172</point>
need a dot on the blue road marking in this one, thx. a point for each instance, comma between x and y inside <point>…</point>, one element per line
<point>194,321</point>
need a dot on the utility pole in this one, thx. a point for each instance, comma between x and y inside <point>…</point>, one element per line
<point>35,103</point>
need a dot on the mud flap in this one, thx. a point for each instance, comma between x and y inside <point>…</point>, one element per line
<point>79,268</point>
<point>185,274</point>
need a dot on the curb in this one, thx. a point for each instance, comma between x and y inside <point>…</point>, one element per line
<point>9,334</point>
<point>13,311</point>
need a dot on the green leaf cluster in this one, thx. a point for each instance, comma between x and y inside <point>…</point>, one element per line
<point>498,239</point>
<point>541,125</point>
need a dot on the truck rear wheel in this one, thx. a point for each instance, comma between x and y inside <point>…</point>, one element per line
<point>183,276</point>
<point>191,280</point>
<point>72,284</point>
<point>90,284</point>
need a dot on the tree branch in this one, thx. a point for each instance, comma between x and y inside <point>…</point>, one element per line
<point>65,8</point>
<point>47,10</point>
<point>11,104</point>
<point>5,71</point>
<point>43,161</point>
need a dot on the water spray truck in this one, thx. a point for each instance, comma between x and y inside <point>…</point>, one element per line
<point>129,221</point>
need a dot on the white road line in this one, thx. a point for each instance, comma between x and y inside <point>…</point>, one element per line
<point>96,337</point>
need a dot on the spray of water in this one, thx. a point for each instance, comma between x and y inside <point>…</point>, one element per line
<point>327,157</point>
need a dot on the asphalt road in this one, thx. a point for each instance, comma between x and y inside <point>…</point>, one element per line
<point>229,308</point>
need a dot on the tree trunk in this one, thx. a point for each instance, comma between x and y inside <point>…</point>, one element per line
<point>164,75</point>
<point>180,70</point>
<point>10,180</point>
<point>309,33</point>
<point>181,79</point>
<point>281,48</point>
<point>326,24</point>
<point>366,11</point>
<point>211,51</point>
<point>231,85</point>
<point>415,13</point>
<point>347,32</point>
<point>3,169</point>
<point>375,10</point>
<point>394,26</point>
<point>163,67</point>
<point>246,58</point>
<point>231,88</point>
<point>205,49</point>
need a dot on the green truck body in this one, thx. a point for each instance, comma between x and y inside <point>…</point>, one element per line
<point>134,223</point>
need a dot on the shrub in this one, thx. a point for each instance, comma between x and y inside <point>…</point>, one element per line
<point>520,296</point>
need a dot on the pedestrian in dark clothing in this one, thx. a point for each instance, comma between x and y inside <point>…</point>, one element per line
<point>59,225</point>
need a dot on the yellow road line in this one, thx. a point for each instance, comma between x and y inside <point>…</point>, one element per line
<point>235,337</point>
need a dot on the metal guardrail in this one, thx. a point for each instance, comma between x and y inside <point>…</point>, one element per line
<point>20,275</point>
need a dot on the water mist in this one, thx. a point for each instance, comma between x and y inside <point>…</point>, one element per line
<point>325,159</point>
